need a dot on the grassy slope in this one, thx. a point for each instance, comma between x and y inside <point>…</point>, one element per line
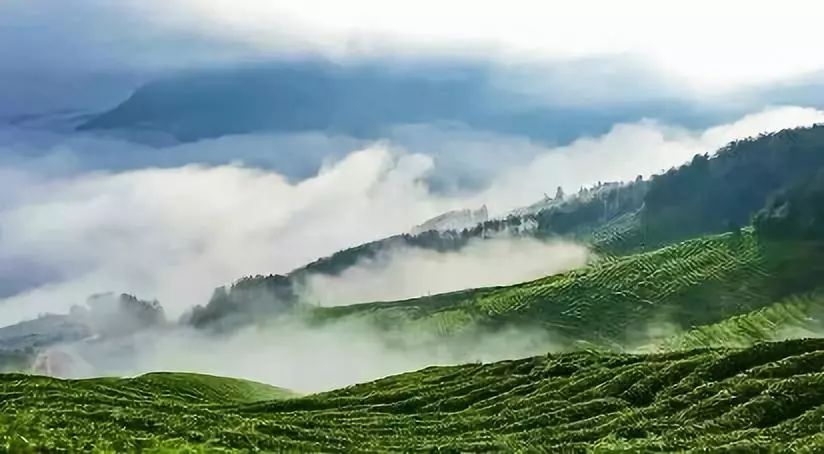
<point>176,386</point>
<point>770,396</point>
<point>794,317</point>
<point>206,388</point>
<point>695,282</point>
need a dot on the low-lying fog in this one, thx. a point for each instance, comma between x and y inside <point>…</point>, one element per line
<point>291,354</point>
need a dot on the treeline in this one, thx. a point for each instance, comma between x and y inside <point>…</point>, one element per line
<point>244,301</point>
<point>796,212</point>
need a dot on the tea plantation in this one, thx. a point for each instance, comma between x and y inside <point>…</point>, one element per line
<point>769,397</point>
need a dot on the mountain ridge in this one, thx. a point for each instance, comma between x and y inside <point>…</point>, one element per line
<point>304,95</point>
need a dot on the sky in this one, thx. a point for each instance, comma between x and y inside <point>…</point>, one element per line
<point>85,212</point>
<point>105,49</point>
<point>709,45</point>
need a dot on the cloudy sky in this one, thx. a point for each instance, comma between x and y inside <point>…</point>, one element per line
<point>702,45</point>
<point>708,44</point>
<point>635,87</point>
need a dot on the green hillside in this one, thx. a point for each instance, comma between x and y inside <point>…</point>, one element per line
<point>768,397</point>
<point>795,317</point>
<point>202,388</point>
<point>619,299</point>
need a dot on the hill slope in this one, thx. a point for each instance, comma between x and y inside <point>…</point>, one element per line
<point>710,194</point>
<point>617,300</point>
<point>770,396</point>
<point>794,317</point>
<point>605,216</point>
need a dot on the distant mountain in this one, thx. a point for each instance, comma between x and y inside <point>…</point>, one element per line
<point>364,100</point>
<point>42,332</point>
<point>105,317</point>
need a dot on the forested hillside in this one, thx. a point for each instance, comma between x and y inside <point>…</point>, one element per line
<point>721,192</point>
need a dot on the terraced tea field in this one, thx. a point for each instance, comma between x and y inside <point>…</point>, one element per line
<point>767,397</point>
<point>693,283</point>
<point>795,317</point>
<point>714,386</point>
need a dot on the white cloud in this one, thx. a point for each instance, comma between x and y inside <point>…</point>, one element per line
<point>710,44</point>
<point>406,272</point>
<point>299,357</point>
<point>174,234</point>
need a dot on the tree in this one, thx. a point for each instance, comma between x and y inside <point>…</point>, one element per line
<point>795,212</point>
<point>559,193</point>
